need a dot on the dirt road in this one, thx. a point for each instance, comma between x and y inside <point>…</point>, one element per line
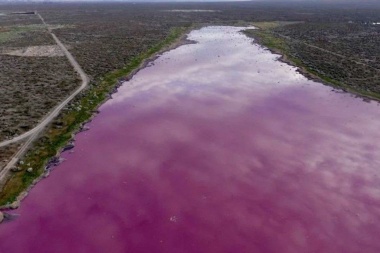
<point>56,110</point>
<point>33,133</point>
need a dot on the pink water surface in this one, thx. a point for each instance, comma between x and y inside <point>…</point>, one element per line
<point>216,147</point>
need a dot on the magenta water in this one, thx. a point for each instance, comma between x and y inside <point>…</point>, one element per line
<point>216,147</point>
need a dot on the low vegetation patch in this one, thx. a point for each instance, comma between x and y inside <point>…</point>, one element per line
<point>11,33</point>
<point>30,87</point>
<point>347,70</point>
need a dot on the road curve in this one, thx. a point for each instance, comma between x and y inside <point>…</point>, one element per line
<point>56,110</point>
<point>33,133</point>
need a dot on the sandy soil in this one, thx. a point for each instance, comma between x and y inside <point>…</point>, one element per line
<point>37,51</point>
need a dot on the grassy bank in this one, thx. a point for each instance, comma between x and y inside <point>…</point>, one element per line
<point>60,132</point>
<point>287,48</point>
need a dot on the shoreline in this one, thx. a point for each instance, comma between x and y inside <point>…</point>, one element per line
<point>171,45</point>
<point>55,160</point>
<point>310,75</point>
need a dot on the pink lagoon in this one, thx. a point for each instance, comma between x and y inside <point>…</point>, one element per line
<point>214,147</point>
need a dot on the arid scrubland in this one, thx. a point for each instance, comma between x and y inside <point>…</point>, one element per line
<point>31,81</point>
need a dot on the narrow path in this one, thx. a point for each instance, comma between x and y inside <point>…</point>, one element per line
<point>33,133</point>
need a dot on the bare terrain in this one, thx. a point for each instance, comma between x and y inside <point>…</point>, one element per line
<point>37,51</point>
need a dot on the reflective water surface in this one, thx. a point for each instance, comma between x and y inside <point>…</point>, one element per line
<point>216,147</point>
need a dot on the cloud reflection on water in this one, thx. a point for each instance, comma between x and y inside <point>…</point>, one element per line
<point>237,153</point>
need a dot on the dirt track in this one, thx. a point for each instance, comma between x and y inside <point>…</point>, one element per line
<point>33,133</point>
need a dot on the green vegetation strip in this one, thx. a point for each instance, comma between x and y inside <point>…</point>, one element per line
<point>81,110</point>
<point>267,38</point>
